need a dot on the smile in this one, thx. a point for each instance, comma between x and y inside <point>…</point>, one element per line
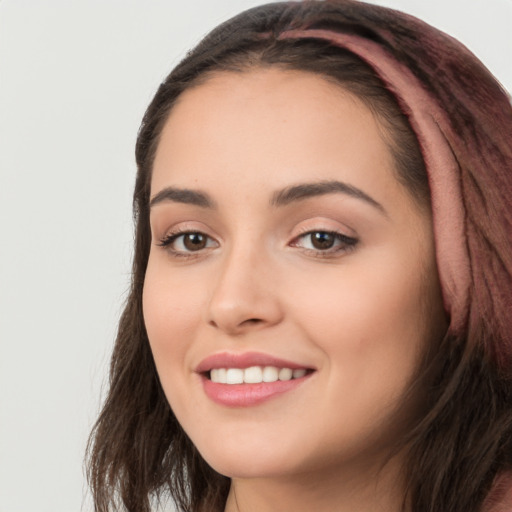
<point>248,379</point>
<point>255,374</point>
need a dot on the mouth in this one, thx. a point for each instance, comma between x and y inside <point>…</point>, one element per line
<point>255,374</point>
<point>242,380</point>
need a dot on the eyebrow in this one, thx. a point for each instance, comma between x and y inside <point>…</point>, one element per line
<point>308,190</point>
<point>280,198</point>
<point>183,195</point>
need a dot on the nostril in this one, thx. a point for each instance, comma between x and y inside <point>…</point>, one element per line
<point>252,321</point>
<point>248,321</point>
<point>237,328</point>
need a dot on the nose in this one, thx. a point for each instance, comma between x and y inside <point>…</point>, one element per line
<point>246,295</point>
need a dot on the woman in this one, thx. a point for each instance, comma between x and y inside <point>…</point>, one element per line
<point>320,310</point>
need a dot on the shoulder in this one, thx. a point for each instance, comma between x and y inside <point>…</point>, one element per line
<point>500,497</point>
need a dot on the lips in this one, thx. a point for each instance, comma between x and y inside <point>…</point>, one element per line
<point>242,380</point>
<point>244,360</point>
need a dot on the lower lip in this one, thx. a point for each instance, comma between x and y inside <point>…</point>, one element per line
<point>247,395</point>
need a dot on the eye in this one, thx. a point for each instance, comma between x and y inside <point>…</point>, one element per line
<point>183,243</point>
<point>326,242</point>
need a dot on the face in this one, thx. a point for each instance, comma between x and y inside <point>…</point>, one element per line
<point>291,286</point>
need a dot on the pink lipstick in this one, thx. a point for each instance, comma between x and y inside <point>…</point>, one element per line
<point>243,380</point>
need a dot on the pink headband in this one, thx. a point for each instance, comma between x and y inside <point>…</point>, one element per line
<point>435,133</point>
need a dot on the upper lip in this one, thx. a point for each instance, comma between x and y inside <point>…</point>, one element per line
<point>244,360</point>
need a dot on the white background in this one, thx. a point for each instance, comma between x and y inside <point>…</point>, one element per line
<point>75,78</point>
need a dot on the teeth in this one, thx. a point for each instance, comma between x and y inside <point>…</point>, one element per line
<point>254,374</point>
<point>285,374</point>
<point>218,375</point>
<point>270,374</point>
<point>234,376</point>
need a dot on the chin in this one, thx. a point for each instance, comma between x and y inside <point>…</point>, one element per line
<point>239,467</point>
<point>250,457</point>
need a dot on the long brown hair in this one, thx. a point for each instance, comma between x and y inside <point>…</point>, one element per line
<point>463,440</point>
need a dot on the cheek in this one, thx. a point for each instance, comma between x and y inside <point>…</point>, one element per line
<point>371,325</point>
<point>363,305</point>
<point>171,310</point>
<point>171,300</point>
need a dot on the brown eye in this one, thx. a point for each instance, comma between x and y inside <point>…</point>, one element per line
<point>194,241</point>
<point>188,242</point>
<point>327,243</point>
<point>322,240</point>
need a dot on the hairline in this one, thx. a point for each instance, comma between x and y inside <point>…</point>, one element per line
<point>256,63</point>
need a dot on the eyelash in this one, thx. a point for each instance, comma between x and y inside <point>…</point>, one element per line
<point>345,243</point>
<point>167,241</point>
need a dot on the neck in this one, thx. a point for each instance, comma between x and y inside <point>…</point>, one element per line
<point>329,491</point>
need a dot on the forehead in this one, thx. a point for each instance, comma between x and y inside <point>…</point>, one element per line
<point>275,126</point>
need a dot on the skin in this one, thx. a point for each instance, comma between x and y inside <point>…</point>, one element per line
<point>360,315</point>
